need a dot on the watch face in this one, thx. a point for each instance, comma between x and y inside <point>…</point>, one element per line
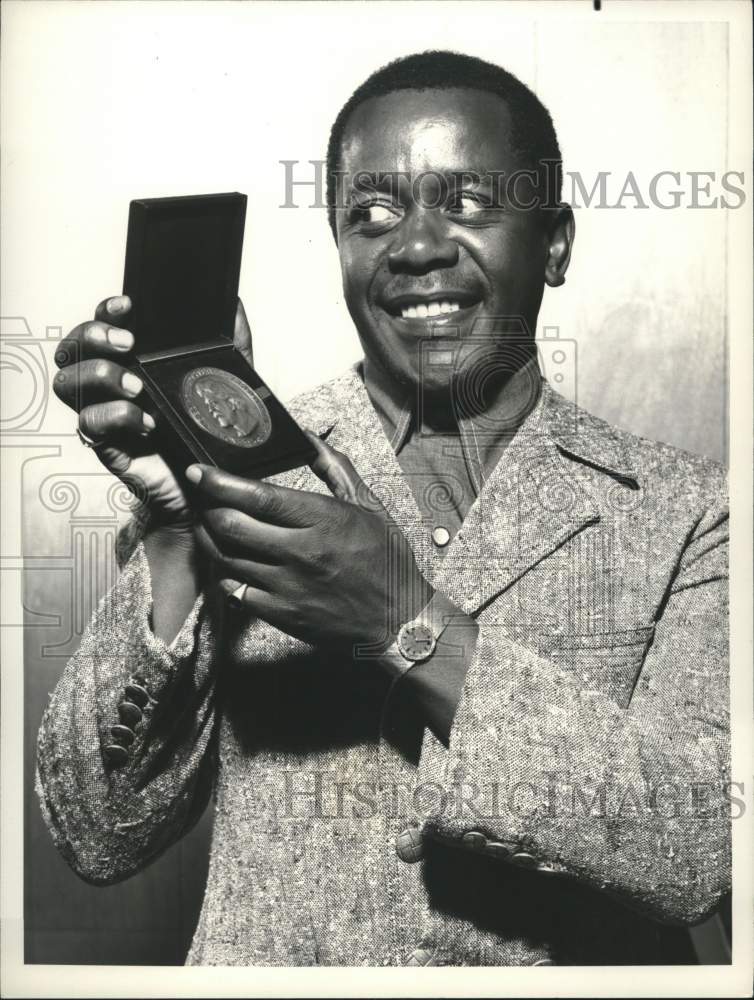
<point>224,406</point>
<point>416,641</point>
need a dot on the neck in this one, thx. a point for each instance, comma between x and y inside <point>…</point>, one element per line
<point>502,394</point>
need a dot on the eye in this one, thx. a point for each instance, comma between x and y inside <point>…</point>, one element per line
<point>374,213</point>
<point>467,203</point>
<point>379,213</point>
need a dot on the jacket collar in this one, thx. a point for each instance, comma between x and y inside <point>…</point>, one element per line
<point>576,432</point>
<point>580,435</point>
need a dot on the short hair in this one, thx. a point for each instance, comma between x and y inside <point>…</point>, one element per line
<point>533,133</point>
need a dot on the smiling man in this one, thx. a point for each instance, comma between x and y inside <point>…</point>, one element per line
<point>460,688</point>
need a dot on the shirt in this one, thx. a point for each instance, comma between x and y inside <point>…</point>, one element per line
<point>447,466</point>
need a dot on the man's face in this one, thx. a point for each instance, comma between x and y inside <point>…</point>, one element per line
<point>226,410</point>
<point>450,260</point>
<point>220,407</point>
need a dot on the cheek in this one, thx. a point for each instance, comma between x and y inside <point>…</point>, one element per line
<point>512,261</point>
<point>355,269</point>
<point>359,264</point>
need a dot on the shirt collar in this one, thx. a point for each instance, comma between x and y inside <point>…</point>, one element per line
<point>391,401</point>
<point>484,435</point>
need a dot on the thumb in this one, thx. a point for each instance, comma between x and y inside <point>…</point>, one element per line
<point>242,334</point>
<point>337,472</point>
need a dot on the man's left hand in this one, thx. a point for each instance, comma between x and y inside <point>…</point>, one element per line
<point>320,568</point>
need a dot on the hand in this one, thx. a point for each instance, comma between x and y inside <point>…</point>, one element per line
<point>322,569</point>
<point>94,380</point>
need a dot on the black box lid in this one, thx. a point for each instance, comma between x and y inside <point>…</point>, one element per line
<point>183,261</point>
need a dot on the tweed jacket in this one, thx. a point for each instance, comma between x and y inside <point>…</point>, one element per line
<point>580,808</point>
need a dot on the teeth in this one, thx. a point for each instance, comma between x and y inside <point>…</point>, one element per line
<point>421,311</point>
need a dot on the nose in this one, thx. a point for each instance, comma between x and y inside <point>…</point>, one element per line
<point>423,245</point>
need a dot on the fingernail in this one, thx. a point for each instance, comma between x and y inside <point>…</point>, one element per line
<point>193,473</point>
<point>97,334</point>
<point>148,421</point>
<point>118,304</point>
<point>132,384</point>
<point>122,339</point>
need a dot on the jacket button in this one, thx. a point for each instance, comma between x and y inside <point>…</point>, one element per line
<point>422,956</point>
<point>123,735</point>
<point>137,694</point>
<point>497,850</point>
<point>116,754</point>
<point>547,869</point>
<point>474,840</point>
<point>524,860</point>
<point>409,845</point>
<point>130,714</point>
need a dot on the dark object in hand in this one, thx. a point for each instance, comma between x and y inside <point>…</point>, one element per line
<point>183,259</point>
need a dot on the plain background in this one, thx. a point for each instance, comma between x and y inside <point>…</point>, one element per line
<point>132,100</point>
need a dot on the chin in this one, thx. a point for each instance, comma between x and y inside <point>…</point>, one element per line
<point>427,380</point>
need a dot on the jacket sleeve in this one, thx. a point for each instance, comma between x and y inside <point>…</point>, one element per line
<point>110,821</point>
<point>633,800</point>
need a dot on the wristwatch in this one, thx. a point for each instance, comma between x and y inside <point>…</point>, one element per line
<point>417,639</point>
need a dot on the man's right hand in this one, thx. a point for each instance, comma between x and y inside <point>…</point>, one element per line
<point>95,381</point>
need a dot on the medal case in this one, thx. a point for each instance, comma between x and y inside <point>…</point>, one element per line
<point>183,260</point>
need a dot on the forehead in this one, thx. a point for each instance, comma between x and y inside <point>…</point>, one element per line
<point>442,130</point>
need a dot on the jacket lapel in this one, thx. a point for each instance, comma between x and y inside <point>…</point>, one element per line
<point>534,501</point>
<point>358,432</point>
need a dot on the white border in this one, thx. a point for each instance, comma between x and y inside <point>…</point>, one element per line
<point>18,980</point>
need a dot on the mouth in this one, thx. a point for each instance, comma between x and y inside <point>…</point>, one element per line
<point>440,307</point>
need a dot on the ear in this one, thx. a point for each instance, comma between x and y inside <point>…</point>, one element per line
<point>561,234</point>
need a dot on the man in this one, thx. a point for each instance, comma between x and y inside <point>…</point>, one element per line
<point>471,709</point>
<point>236,414</point>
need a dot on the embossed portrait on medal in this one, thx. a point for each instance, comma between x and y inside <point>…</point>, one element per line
<point>224,406</point>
